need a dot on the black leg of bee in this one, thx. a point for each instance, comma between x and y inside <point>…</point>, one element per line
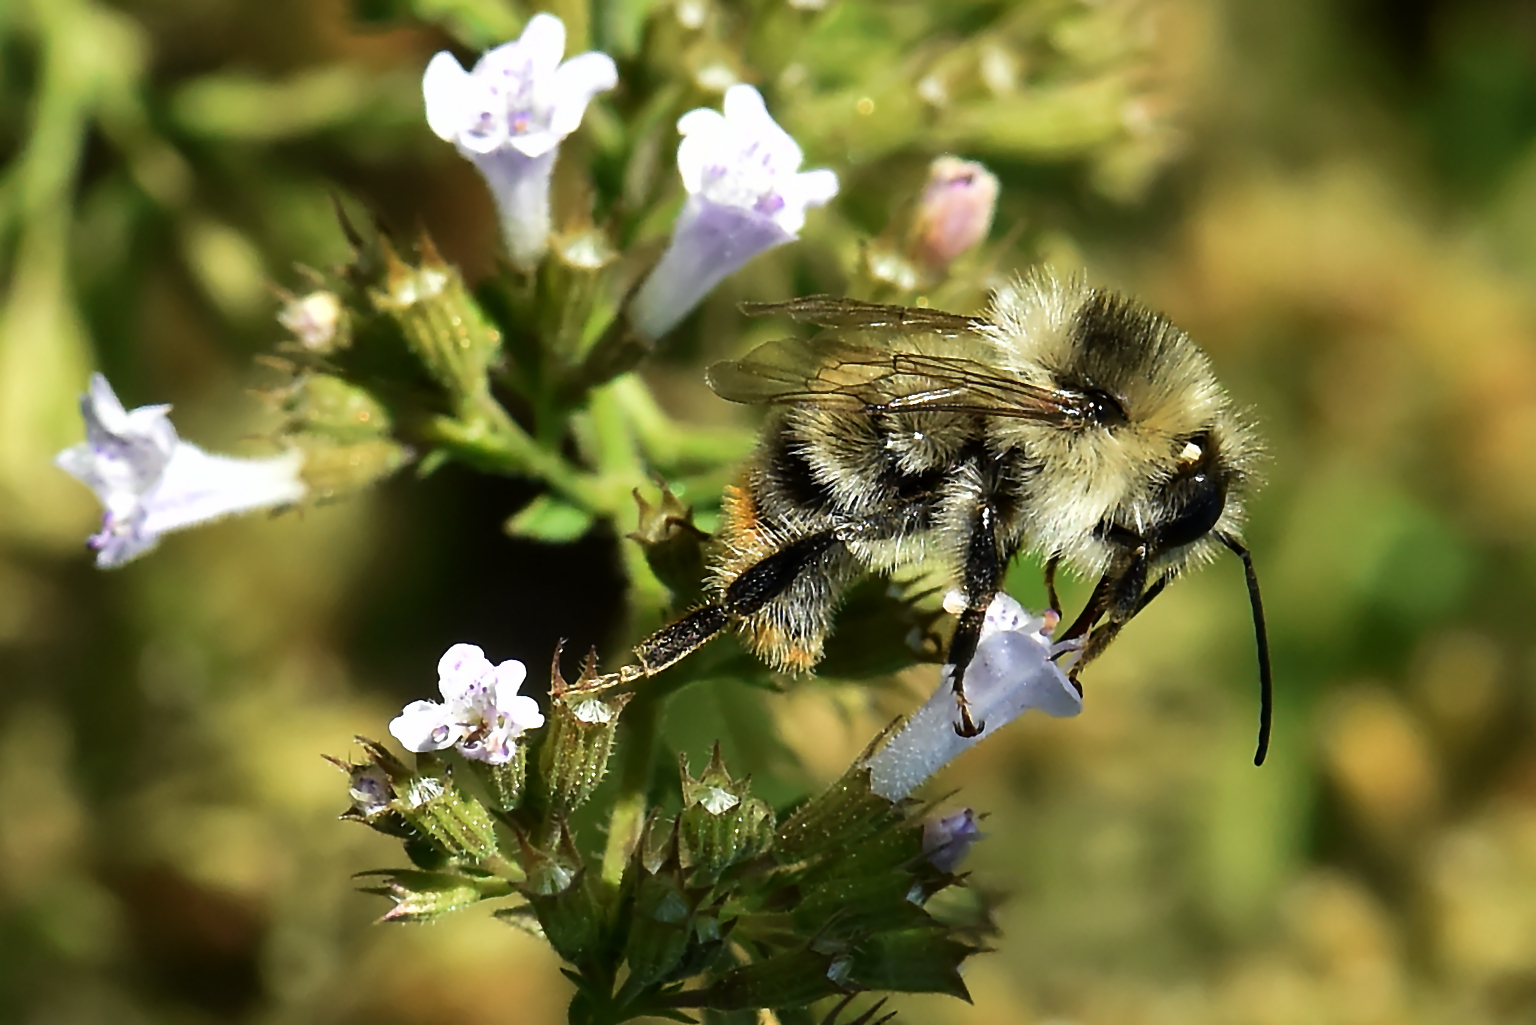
<point>1050,583</point>
<point>983,571</point>
<point>1099,639</point>
<point>1093,610</point>
<point>755,587</point>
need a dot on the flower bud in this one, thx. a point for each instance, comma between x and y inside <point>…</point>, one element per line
<point>721,823</point>
<point>948,839</point>
<point>504,782</point>
<point>442,324</point>
<point>326,405</point>
<point>333,471</point>
<point>955,212</point>
<point>372,787</point>
<point>673,546</point>
<point>453,821</point>
<point>660,928</point>
<point>317,320</point>
<point>557,890</point>
<point>922,959</point>
<point>574,757</point>
<point>423,896</point>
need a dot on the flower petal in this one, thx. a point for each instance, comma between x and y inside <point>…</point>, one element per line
<point>522,713</point>
<point>509,677</point>
<point>542,44</point>
<point>459,671</point>
<point>749,120</point>
<point>196,487</point>
<point>575,83</point>
<point>101,404</point>
<point>425,726</point>
<point>446,89</point>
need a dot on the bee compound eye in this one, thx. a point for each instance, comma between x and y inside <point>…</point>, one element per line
<point>1199,500</point>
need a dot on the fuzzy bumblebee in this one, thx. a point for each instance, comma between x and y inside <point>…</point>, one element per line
<point>1069,422</point>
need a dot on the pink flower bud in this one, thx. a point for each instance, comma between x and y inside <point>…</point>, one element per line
<point>955,212</point>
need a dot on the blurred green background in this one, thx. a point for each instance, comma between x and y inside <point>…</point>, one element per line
<point>1337,199</point>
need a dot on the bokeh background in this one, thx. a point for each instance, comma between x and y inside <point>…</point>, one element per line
<point>1338,199</point>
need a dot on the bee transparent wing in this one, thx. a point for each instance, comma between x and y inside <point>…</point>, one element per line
<point>795,371</point>
<point>853,314</point>
<point>833,374</point>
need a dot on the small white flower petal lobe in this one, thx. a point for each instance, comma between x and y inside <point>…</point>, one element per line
<point>459,671</point>
<point>425,726</point>
<point>542,44</point>
<point>701,121</point>
<point>534,144</point>
<point>485,127</point>
<point>523,713</point>
<point>120,541</point>
<point>101,404</point>
<point>575,83</point>
<point>445,86</point>
<point>751,123</point>
<point>1005,613</point>
<point>816,188</point>
<point>510,675</point>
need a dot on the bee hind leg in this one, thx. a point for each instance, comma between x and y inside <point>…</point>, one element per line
<point>757,585</point>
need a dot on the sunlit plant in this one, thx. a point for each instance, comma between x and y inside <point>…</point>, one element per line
<point>701,897</point>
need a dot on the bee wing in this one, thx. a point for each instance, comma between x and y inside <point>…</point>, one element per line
<point>854,314</point>
<point>833,374</point>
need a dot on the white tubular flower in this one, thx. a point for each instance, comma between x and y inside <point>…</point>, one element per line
<point>481,713</point>
<point>150,482</point>
<point>509,114</point>
<point>746,194</point>
<point>1011,673</point>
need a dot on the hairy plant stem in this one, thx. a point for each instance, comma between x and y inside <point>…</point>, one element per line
<point>639,728</point>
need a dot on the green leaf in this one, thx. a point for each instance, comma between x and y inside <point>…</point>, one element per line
<point>550,520</point>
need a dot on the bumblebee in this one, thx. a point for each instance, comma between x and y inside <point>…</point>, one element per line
<point>1069,422</point>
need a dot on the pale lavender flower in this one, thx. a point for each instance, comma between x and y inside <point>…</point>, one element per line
<point>746,194</point>
<point>481,713</point>
<point>151,482</point>
<point>508,116</point>
<point>947,839</point>
<point>1011,673</point>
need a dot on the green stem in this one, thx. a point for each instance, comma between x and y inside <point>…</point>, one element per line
<point>490,439</point>
<point>640,729</point>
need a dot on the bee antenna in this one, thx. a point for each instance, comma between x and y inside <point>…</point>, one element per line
<point>1266,683</point>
